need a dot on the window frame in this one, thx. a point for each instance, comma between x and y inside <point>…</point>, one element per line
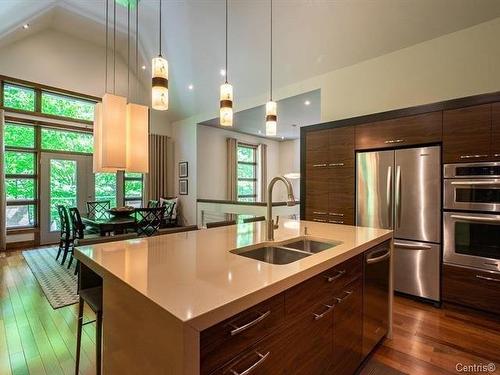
<point>254,179</point>
<point>129,199</point>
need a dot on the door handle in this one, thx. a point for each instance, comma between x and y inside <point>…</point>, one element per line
<point>398,196</point>
<point>336,164</point>
<point>473,156</point>
<point>262,358</point>
<point>244,327</point>
<point>389,195</point>
<point>475,218</point>
<point>411,247</point>
<point>489,182</point>
<point>322,315</point>
<point>370,260</point>
<point>488,278</point>
<point>319,165</point>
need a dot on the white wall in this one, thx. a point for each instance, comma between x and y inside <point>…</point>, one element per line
<point>289,162</point>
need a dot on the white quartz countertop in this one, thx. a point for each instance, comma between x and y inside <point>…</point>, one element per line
<point>195,277</point>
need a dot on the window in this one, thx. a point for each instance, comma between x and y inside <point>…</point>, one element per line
<point>133,187</point>
<point>67,106</point>
<point>247,173</point>
<point>105,187</point>
<point>70,141</point>
<point>20,175</point>
<point>18,97</point>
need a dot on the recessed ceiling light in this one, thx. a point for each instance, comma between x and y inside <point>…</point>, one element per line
<point>260,131</point>
<point>143,67</point>
<point>26,26</point>
<point>223,72</point>
<point>190,87</point>
<point>282,138</point>
<point>307,102</point>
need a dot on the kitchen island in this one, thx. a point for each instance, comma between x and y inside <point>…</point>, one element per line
<point>185,304</point>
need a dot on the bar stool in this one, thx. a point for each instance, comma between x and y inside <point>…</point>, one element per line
<point>93,298</point>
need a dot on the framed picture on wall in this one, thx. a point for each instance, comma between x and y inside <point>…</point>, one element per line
<point>183,169</point>
<point>183,187</point>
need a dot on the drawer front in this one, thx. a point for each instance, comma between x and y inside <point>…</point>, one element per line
<point>317,140</point>
<point>224,341</point>
<point>303,298</point>
<point>411,130</point>
<point>472,288</point>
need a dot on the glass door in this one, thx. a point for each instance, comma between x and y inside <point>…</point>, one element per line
<point>66,179</point>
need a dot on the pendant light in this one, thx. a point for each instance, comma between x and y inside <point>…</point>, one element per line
<point>110,120</point>
<point>271,106</point>
<point>226,95</point>
<point>137,139</point>
<point>159,94</point>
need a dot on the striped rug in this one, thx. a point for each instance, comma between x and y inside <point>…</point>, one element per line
<point>58,283</point>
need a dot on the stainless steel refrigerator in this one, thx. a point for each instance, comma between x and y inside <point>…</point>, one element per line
<point>400,190</point>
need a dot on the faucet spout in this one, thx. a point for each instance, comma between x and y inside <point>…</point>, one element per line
<point>271,226</point>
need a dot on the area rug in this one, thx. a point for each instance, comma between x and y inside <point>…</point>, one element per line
<point>58,283</point>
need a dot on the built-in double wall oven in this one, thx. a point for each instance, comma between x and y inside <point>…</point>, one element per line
<point>471,217</point>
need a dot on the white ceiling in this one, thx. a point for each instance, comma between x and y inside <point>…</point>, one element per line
<point>293,113</point>
<point>311,36</point>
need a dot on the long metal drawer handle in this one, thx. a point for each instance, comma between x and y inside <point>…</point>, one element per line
<point>336,164</point>
<point>319,213</point>
<point>319,165</point>
<point>335,214</point>
<point>322,315</point>
<point>411,247</point>
<point>493,182</point>
<point>320,220</point>
<point>251,324</point>
<point>262,358</point>
<point>378,259</point>
<point>473,156</point>
<point>347,294</point>
<point>474,218</point>
<point>331,279</point>
<point>391,141</point>
<point>336,221</point>
<point>488,278</point>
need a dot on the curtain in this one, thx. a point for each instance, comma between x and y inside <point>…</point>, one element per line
<point>232,169</point>
<point>157,180</point>
<point>3,230</point>
<point>261,173</point>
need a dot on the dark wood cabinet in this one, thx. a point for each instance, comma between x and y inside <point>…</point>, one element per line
<point>471,288</point>
<point>412,130</point>
<point>330,175</point>
<point>495,131</point>
<point>467,134</point>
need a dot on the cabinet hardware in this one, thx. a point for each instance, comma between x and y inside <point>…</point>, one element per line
<point>260,318</point>
<point>319,213</point>
<point>336,221</point>
<point>335,214</point>
<point>331,279</point>
<point>496,155</point>
<point>371,260</point>
<point>391,141</point>
<point>336,164</point>
<point>262,358</point>
<point>487,182</point>
<point>347,294</point>
<point>476,218</point>
<point>411,247</point>
<point>488,278</point>
<point>322,315</point>
<point>320,220</point>
<point>473,156</point>
<point>319,165</point>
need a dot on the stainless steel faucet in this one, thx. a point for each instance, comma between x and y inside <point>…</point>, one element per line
<point>271,226</point>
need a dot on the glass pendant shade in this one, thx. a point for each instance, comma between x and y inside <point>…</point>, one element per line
<point>110,134</point>
<point>271,118</point>
<point>226,105</point>
<point>159,94</point>
<point>137,138</point>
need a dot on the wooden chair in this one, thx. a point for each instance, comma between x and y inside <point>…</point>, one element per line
<point>254,219</point>
<point>98,209</point>
<point>79,232</point>
<point>217,224</point>
<point>66,240</point>
<point>168,220</point>
<point>148,220</point>
<point>153,203</point>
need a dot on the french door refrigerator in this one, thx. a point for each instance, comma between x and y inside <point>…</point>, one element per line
<point>400,190</point>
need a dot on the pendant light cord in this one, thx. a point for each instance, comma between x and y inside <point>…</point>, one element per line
<point>114,47</point>
<point>159,45</point>
<point>106,67</point>
<point>271,53</point>
<point>226,40</point>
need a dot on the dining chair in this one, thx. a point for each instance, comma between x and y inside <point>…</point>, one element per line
<point>98,209</point>
<point>169,213</point>
<point>148,220</point>
<point>66,239</point>
<point>153,203</point>
<point>254,219</point>
<point>78,231</point>
<point>216,224</point>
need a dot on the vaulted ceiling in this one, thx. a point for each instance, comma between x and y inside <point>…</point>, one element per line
<point>311,36</point>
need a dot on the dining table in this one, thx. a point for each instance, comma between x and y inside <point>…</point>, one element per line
<point>106,223</point>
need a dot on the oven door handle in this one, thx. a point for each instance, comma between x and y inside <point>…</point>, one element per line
<point>475,218</point>
<point>411,247</point>
<point>489,182</point>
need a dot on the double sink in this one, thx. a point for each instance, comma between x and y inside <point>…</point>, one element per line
<point>287,252</point>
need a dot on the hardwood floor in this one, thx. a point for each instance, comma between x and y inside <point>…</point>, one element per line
<point>35,339</point>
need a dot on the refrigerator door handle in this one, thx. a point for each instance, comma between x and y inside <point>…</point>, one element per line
<point>398,196</point>
<point>389,195</point>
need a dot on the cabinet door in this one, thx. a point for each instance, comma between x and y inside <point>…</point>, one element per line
<point>348,329</point>
<point>411,130</point>
<point>495,131</point>
<point>341,196</point>
<point>341,146</point>
<point>467,134</point>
